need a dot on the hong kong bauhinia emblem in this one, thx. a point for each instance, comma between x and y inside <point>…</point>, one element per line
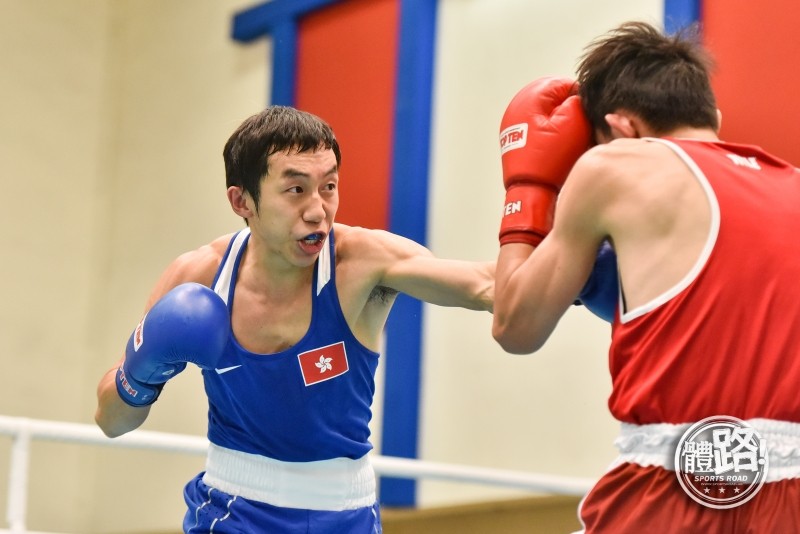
<point>721,462</point>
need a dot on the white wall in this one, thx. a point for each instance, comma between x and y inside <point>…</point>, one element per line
<point>53,195</point>
<point>113,115</point>
<point>181,87</point>
<point>544,412</point>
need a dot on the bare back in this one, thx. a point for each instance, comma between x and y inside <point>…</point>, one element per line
<point>661,221</point>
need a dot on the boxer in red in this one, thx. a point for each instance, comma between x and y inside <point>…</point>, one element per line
<point>706,238</point>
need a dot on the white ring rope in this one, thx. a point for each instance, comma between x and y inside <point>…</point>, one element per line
<point>24,431</point>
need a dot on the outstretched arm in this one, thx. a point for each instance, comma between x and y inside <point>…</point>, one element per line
<point>413,269</point>
<point>443,282</point>
<point>381,259</point>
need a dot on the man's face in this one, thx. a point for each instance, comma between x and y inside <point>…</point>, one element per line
<point>299,200</point>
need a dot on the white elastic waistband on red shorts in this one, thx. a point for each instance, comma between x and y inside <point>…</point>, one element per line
<point>655,445</point>
<point>334,485</point>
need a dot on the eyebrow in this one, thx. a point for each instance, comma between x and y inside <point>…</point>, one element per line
<point>295,173</point>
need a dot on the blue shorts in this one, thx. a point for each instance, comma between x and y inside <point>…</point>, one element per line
<point>211,510</point>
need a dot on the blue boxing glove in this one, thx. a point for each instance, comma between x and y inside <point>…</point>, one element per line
<point>188,324</point>
<point>600,295</point>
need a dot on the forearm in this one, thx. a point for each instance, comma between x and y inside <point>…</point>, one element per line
<point>530,298</point>
<point>113,415</point>
<point>469,285</point>
<point>452,283</point>
<point>509,306</point>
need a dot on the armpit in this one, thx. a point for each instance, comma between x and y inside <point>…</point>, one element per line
<point>383,294</point>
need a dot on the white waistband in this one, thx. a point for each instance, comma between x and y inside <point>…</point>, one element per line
<point>655,445</point>
<point>337,484</point>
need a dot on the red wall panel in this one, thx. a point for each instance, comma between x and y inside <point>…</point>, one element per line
<point>349,80</point>
<point>756,80</point>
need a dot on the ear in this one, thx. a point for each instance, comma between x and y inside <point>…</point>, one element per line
<point>719,120</point>
<point>241,202</point>
<point>622,125</point>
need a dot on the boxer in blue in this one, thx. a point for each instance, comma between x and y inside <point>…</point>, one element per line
<point>285,319</point>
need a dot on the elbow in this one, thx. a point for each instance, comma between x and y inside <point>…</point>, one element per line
<point>112,415</point>
<point>111,433</point>
<point>114,427</point>
<point>513,342</point>
<point>109,429</point>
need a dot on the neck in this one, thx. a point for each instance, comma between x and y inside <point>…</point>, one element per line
<point>700,134</point>
<point>272,272</point>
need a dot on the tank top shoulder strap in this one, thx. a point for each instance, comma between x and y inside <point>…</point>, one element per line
<point>325,265</point>
<point>677,147</point>
<point>224,280</point>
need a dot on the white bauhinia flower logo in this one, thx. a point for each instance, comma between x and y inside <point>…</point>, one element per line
<point>324,364</point>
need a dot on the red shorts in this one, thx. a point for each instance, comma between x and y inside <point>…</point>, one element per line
<point>635,499</point>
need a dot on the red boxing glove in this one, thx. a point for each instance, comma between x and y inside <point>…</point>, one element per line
<point>543,133</point>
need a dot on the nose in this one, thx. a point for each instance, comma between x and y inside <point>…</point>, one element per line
<point>314,210</point>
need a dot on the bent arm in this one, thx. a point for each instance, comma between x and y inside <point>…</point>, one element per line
<point>113,415</point>
<point>535,287</point>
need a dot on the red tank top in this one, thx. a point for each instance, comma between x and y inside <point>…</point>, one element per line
<point>726,340</point>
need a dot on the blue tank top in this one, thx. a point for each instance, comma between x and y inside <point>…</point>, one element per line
<point>310,402</point>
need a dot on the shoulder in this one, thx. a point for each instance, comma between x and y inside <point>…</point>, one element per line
<point>613,182</point>
<point>360,269</point>
<point>355,236</point>
<point>622,166</point>
<point>369,244</point>
<point>199,265</point>
<point>615,159</point>
<point>371,260</point>
<point>350,236</point>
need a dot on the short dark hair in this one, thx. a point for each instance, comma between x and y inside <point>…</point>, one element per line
<point>275,129</point>
<point>665,80</point>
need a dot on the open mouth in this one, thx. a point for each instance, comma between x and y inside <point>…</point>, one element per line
<point>313,243</point>
<point>313,239</point>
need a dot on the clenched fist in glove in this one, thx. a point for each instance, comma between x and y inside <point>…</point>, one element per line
<point>543,133</point>
<point>190,324</point>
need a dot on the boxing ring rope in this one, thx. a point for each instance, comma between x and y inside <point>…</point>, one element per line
<point>24,431</point>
